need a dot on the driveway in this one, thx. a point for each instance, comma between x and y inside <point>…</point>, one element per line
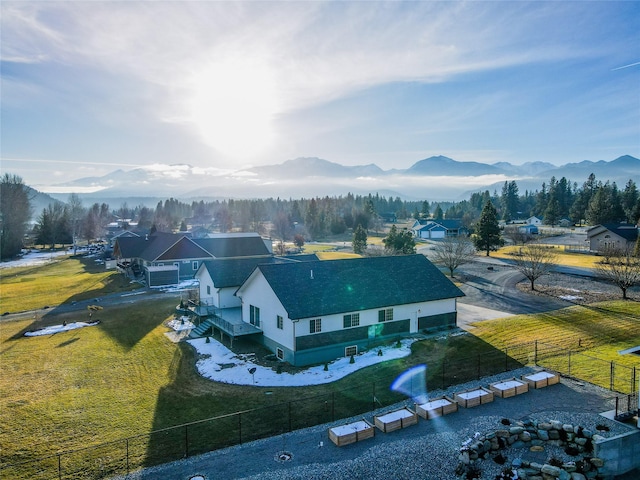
<point>490,292</point>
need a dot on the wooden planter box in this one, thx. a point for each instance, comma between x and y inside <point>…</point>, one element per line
<point>473,397</point>
<point>509,388</point>
<point>541,379</point>
<point>395,420</point>
<point>351,433</point>
<point>437,407</point>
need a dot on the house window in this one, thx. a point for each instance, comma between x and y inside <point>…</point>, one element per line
<point>279,322</point>
<point>280,353</point>
<point>194,264</point>
<point>351,320</point>
<point>385,315</point>
<point>208,289</point>
<point>315,325</point>
<point>254,315</point>
<point>352,350</point>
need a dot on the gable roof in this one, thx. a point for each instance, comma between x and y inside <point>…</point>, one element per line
<point>625,230</point>
<point>233,245</point>
<point>447,224</point>
<point>309,289</point>
<point>162,246</point>
<point>232,272</point>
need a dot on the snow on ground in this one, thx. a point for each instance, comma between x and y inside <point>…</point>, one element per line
<point>570,298</point>
<point>34,258</point>
<point>182,323</point>
<point>184,285</point>
<point>60,328</point>
<point>222,365</point>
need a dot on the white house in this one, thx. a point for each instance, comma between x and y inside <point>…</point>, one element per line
<point>534,221</point>
<point>314,312</point>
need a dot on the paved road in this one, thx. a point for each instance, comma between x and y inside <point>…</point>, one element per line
<point>494,287</point>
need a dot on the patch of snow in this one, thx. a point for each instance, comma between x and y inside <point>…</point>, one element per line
<point>52,330</point>
<point>33,258</point>
<point>182,323</point>
<point>571,297</point>
<point>184,285</point>
<point>473,394</point>
<point>217,359</point>
<point>393,416</point>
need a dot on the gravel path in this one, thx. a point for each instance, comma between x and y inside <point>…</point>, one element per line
<point>428,450</point>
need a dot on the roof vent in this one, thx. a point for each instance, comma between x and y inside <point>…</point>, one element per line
<point>311,275</point>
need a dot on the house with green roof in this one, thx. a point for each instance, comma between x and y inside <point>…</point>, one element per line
<point>316,311</point>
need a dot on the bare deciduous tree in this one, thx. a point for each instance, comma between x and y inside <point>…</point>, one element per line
<point>453,252</point>
<point>516,235</point>
<point>534,261</point>
<point>622,269</point>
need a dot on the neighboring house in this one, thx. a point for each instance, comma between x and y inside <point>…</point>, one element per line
<point>534,221</point>
<point>434,229</point>
<point>528,229</point>
<point>389,217</point>
<point>314,312</point>
<point>168,258</point>
<point>566,223</point>
<point>612,236</point>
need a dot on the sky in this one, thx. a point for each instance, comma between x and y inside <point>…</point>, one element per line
<point>91,87</point>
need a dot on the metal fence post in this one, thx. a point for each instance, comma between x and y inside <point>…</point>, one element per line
<point>127,456</point>
<point>60,466</point>
<point>569,363</point>
<point>535,353</point>
<point>240,428</point>
<point>611,375</point>
<point>506,359</point>
<point>289,416</point>
<point>186,441</point>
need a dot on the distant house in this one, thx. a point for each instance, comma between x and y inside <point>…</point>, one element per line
<point>534,221</point>
<point>566,223</point>
<point>612,236</point>
<point>314,312</point>
<point>528,229</point>
<point>168,258</point>
<point>435,229</point>
<point>389,217</point>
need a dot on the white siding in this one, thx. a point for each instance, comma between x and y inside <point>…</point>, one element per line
<point>259,294</point>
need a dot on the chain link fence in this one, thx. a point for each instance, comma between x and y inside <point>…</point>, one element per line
<point>182,441</point>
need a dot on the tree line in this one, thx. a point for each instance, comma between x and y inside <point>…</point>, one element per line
<point>595,202</point>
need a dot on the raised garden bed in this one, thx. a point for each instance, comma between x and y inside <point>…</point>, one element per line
<point>395,420</point>
<point>541,379</point>
<point>473,397</point>
<point>351,432</point>
<point>437,407</point>
<point>509,388</point>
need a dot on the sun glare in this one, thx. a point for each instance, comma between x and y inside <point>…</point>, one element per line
<point>233,106</point>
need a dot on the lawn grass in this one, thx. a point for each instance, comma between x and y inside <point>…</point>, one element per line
<point>63,280</point>
<point>563,258</point>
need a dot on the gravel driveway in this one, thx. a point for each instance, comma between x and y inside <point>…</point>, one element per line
<point>428,450</point>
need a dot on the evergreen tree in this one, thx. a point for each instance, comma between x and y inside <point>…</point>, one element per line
<point>438,214</point>
<point>509,200</point>
<point>15,212</point>
<point>399,242</point>
<point>359,242</point>
<point>487,236</point>
<point>629,200</point>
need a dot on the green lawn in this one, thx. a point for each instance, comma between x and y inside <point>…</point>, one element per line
<point>64,280</point>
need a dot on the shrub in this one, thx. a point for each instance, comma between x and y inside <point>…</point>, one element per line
<point>555,462</point>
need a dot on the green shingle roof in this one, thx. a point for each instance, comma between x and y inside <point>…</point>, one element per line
<point>310,289</point>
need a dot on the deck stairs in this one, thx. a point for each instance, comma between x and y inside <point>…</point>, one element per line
<point>200,330</point>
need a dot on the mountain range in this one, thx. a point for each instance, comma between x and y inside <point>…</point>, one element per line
<point>437,178</point>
